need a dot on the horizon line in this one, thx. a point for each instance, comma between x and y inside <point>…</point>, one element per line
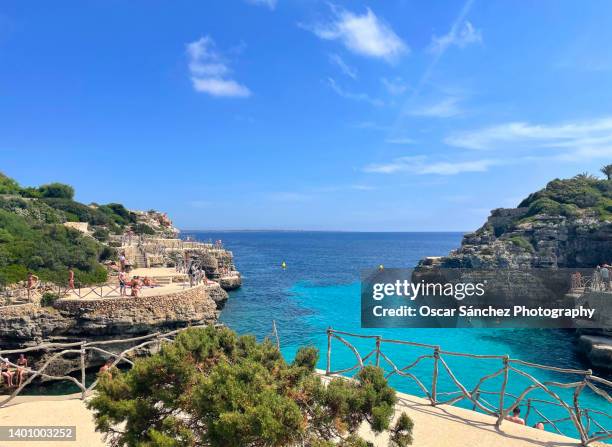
<point>277,230</point>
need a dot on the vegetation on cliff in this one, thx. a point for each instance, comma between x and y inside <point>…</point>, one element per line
<point>32,237</point>
<point>573,197</point>
<point>213,388</point>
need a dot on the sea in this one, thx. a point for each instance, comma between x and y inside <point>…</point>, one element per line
<point>319,288</point>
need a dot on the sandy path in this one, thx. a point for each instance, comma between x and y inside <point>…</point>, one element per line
<point>443,426</point>
<point>51,411</point>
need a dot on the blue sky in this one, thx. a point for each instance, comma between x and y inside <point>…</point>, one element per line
<point>263,114</point>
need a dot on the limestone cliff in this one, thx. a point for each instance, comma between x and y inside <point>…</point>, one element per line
<point>568,224</point>
<point>87,319</point>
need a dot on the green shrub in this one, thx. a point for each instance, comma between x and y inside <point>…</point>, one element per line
<point>12,274</point>
<point>520,241</point>
<point>142,228</point>
<point>8,185</point>
<point>101,234</point>
<point>231,391</point>
<point>77,212</point>
<point>48,299</point>
<point>56,190</point>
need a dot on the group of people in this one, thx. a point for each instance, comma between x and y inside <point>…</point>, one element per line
<point>602,278</point>
<point>13,376</point>
<point>135,284</point>
<point>196,274</point>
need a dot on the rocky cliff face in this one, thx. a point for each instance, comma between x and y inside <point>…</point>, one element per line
<point>71,320</point>
<point>568,224</point>
<point>107,318</point>
<point>511,239</point>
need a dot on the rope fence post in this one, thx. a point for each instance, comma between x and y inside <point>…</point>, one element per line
<point>378,351</point>
<point>502,392</point>
<point>434,380</point>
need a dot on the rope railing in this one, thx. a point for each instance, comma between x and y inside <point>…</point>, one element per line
<point>83,348</point>
<point>583,419</point>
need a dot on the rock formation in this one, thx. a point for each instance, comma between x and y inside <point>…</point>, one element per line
<point>568,224</point>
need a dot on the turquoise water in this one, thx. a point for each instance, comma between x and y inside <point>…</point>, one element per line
<point>320,288</point>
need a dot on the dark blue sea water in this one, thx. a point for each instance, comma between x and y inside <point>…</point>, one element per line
<point>320,288</point>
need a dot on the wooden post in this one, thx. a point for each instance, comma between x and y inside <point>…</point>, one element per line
<point>378,350</point>
<point>528,410</point>
<point>83,375</point>
<point>476,396</point>
<point>329,337</point>
<point>276,334</point>
<point>584,435</point>
<point>434,380</point>
<point>502,393</point>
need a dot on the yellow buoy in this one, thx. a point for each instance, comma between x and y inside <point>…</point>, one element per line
<point>284,265</point>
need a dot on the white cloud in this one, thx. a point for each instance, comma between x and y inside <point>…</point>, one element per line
<point>365,34</point>
<point>460,35</point>
<point>353,96</point>
<point>344,67</point>
<point>446,108</point>
<point>400,141</point>
<point>395,86</point>
<point>210,73</point>
<point>569,141</point>
<point>269,3</point>
<point>421,166</point>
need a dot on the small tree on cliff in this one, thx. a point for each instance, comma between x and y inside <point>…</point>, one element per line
<point>607,171</point>
<point>213,388</point>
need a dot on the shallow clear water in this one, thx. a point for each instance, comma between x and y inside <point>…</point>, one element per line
<point>320,288</point>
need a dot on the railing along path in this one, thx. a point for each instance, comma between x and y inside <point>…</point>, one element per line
<point>583,419</point>
<point>83,349</point>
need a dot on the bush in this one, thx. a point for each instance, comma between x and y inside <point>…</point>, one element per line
<point>231,391</point>
<point>8,185</point>
<point>77,212</point>
<point>12,274</point>
<point>56,190</point>
<point>142,228</point>
<point>49,250</point>
<point>48,299</point>
<point>101,234</point>
<point>520,241</point>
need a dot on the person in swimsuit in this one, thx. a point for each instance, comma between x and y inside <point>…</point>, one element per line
<point>71,279</point>
<point>122,281</point>
<point>135,285</point>
<point>6,374</point>
<point>22,364</point>
<point>516,413</point>
<point>32,280</point>
<point>105,369</point>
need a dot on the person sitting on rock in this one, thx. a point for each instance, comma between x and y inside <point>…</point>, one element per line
<point>135,286</point>
<point>6,374</point>
<point>516,412</point>
<point>22,364</point>
<point>539,425</point>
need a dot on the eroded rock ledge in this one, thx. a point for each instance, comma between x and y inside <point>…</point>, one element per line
<point>88,319</point>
